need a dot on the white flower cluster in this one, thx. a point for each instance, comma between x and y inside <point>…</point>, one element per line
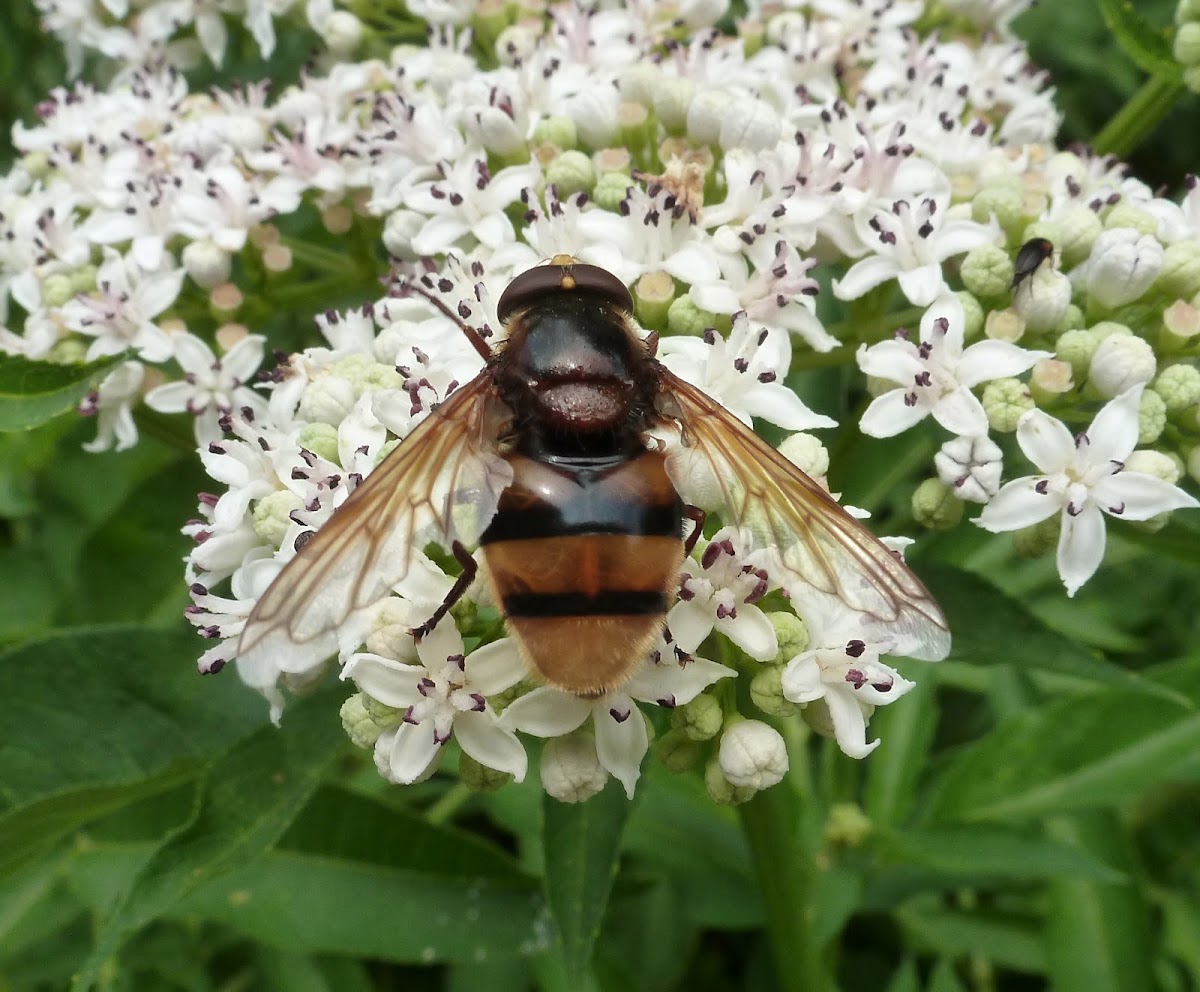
<point>715,174</point>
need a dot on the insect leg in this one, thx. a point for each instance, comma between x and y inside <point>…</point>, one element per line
<point>469,569</point>
<point>699,516</point>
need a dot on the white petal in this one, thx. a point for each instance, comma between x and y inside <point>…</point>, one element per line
<point>863,276</point>
<point>715,298</point>
<point>924,285</point>
<point>1080,547</point>
<point>961,413</point>
<point>1114,431</point>
<point>1017,505</point>
<point>487,742</point>
<point>1139,496</point>
<point>621,746</point>
<point>751,631</point>
<point>888,415</point>
<point>546,712</point>
<point>1046,441</point>
<point>244,358</point>
<point>773,401</point>
<point>391,682</point>
<point>495,667</point>
<point>690,621</point>
<point>802,679</point>
<point>171,397</point>
<point>895,360</point>
<point>192,354</point>
<point>849,724</point>
<point>679,683</point>
<point>412,751</point>
<point>986,360</point>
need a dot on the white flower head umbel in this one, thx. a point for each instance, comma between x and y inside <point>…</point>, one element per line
<point>937,375</point>
<point>1082,477</point>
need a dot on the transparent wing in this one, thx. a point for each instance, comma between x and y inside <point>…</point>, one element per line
<point>730,466</point>
<point>441,483</point>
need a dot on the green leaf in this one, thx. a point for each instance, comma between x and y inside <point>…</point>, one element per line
<point>582,842</point>
<point>1091,751</point>
<point>895,770</point>
<point>252,793</point>
<point>1010,942</point>
<point>1097,936</point>
<point>33,392</point>
<point>1147,46</point>
<point>647,936</point>
<point>991,628</point>
<point>945,978</point>
<point>95,717</point>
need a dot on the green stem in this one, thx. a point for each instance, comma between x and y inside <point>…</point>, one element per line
<point>449,803</point>
<point>1142,113</point>
<point>771,822</point>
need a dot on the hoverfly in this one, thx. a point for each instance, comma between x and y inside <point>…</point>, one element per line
<point>575,506</point>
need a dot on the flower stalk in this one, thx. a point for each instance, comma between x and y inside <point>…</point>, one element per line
<point>1140,116</point>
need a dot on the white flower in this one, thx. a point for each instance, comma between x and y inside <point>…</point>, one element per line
<point>446,694</point>
<point>211,387</point>
<point>910,245</point>
<point>1122,266</point>
<point>112,404</point>
<point>842,670</point>
<point>720,591</point>
<point>753,755</point>
<point>1084,478</point>
<point>936,377</point>
<point>621,737</point>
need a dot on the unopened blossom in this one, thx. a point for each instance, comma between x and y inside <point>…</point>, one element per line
<point>1122,266</point>
<point>971,465</point>
<point>1082,477</point>
<point>937,375</point>
<point>753,755</point>
<point>446,694</point>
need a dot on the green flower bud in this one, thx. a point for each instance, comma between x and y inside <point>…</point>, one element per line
<point>934,505</point>
<point>720,790</point>
<point>321,440</point>
<point>1187,10</point>
<point>1080,229</point>
<point>1076,348</point>
<point>1152,417</point>
<point>271,515</point>
<point>1191,79</point>
<point>1004,401</point>
<point>570,173</point>
<point>987,271</point>
<point>1156,463</point>
<point>37,164</point>
<point>972,315</point>
<point>1193,463</point>
<point>1186,48</point>
<point>610,189</point>
<point>677,752</point>
<point>1108,328</point>
<point>557,131</point>
<point>1039,539</point>
<point>384,715</point>
<point>1180,273</point>
<point>766,690</point>
<point>684,317</point>
<point>67,351</point>
<point>57,289</point>
<point>790,632</point>
<point>1004,202</point>
<point>389,635</point>
<point>356,721</point>
<point>653,294</point>
<point>847,826</point>
<point>83,279</point>
<point>1126,215</point>
<point>1049,230</point>
<point>700,719</point>
<point>1179,387</point>
<point>480,778</point>
<point>672,98</point>
<point>1072,319</point>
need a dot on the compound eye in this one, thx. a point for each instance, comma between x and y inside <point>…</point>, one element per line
<point>561,277</point>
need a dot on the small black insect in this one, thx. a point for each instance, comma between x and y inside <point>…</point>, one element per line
<point>1029,257</point>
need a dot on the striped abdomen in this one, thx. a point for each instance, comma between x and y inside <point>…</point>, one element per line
<point>584,560</point>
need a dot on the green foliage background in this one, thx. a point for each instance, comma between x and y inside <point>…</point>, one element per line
<point>1030,822</point>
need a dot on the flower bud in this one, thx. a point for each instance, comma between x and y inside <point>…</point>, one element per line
<point>1076,348</point>
<point>557,131</point>
<point>399,230</point>
<point>672,98</point>
<point>1004,401</point>
<point>1121,361</point>
<point>1043,298</point>
<point>321,440</point>
<point>1127,215</point>
<point>699,719</point>
<point>1004,325</point>
<point>356,721</point>
<point>1004,202</point>
<point>753,755</point>
<point>611,188</point>
<point>791,634</point>
<point>1122,265</point>
<point>847,826</point>
<point>1179,387</point>
<point>1155,463</point>
<point>1080,228</point>
<point>1181,323</point>
<point>807,453</point>
<point>1039,539</point>
<point>1152,417</point>
<point>720,790</point>
<point>342,33</point>
<point>271,515</point>
<point>706,115</point>
<point>1049,379</point>
<point>1193,463</point>
<point>653,294</point>
<point>571,771</point>
<point>498,133</point>
<point>970,467</point>
<point>684,317</point>
<point>478,777</point>
<point>972,315</point>
<point>208,265</point>
<point>640,82</point>
<point>751,124</point>
<point>987,271</point>
<point>83,279</point>
<point>1180,275</point>
<point>389,637</point>
<point>594,110</point>
<point>1072,319</point>
<point>934,505</point>
<point>571,172</point>
<point>1186,47</point>
<point>677,752</point>
<point>766,692</point>
<point>56,289</point>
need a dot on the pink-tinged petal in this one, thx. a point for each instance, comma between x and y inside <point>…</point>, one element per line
<point>495,667</point>
<point>888,415</point>
<point>751,631</point>
<point>895,360</point>
<point>546,712</point>
<point>1080,547</point>
<point>1018,504</point>
<point>961,413</point>
<point>1114,431</point>
<point>923,285</point>
<point>621,739</point>
<point>488,743</point>
<point>849,724</point>
<point>171,397</point>
<point>690,621</point>
<point>773,401</point>
<point>802,679</point>
<point>244,358</point>
<point>1137,496</point>
<point>863,276</point>
<point>1046,441</point>
<point>412,750</point>
<point>677,683</point>
<point>390,682</point>
<point>987,360</point>
<point>885,685</point>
